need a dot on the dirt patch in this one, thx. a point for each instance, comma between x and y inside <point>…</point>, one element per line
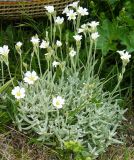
<point>16,146</point>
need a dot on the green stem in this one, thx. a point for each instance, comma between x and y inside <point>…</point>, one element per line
<point>31,60</point>
<point>93,58</point>
<point>89,56</point>
<point>51,26</point>
<point>116,87</point>
<point>38,57</point>
<point>78,22</point>
<point>74,25</point>
<point>86,43</point>
<point>78,45</point>
<point>95,45</point>
<point>61,79</point>
<point>58,117</point>
<point>59,27</point>
<point>56,52</point>
<point>60,31</point>
<point>120,77</point>
<point>48,65</point>
<point>54,30</point>
<point>2,70</point>
<point>21,66</point>
<point>10,73</point>
<point>73,65</point>
<point>61,53</point>
<point>100,67</point>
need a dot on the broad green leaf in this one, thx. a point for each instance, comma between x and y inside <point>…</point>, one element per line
<point>109,33</point>
<point>127,39</point>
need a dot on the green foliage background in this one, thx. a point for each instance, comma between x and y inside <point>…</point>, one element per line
<point>117,33</point>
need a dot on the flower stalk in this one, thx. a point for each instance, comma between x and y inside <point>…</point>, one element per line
<point>2,72</point>
<point>89,56</point>
<point>9,73</point>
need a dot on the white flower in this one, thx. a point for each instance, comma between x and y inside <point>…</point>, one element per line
<point>94,36</point>
<point>125,56</point>
<point>58,102</point>
<point>80,30</point>
<point>44,44</point>
<point>77,37</point>
<point>18,47</point>
<point>49,53</point>
<point>18,92</point>
<point>122,52</point>
<point>74,4</point>
<point>93,24</point>
<point>65,11</point>
<point>35,40</point>
<point>84,28</point>
<point>50,9</point>
<point>4,50</point>
<point>58,43</point>
<point>30,77</point>
<point>71,15</point>
<point>59,20</point>
<point>72,53</point>
<point>82,11</point>
<point>55,64</point>
<point>19,44</point>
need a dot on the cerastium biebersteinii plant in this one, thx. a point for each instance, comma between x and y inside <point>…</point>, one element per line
<point>66,105</point>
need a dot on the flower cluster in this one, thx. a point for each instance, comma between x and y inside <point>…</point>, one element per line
<point>93,25</point>
<point>58,43</point>
<point>35,40</point>
<point>73,10</point>
<point>78,37</point>
<point>59,20</point>
<point>29,78</point>
<point>72,52</point>
<point>19,44</point>
<point>125,56</point>
<point>90,28</point>
<point>55,63</point>
<point>18,47</point>
<point>44,44</point>
<point>4,51</point>
<point>50,9</point>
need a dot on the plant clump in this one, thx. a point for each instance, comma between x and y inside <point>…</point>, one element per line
<point>66,105</point>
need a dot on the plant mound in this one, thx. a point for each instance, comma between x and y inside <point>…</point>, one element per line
<point>89,116</point>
